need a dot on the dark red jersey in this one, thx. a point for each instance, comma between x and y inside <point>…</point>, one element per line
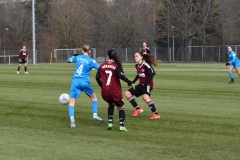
<point>146,50</point>
<point>144,71</point>
<point>111,86</point>
<point>23,54</point>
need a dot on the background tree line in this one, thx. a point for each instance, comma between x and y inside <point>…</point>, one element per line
<point>114,23</point>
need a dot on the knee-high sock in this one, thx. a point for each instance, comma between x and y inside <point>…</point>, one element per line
<point>133,102</point>
<point>71,111</point>
<point>121,117</point>
<point>152,107</point>
<point>95,107</point>
<point>230,75</point>
<point>110,113</point>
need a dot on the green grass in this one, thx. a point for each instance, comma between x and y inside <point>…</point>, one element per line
<point>199,116</point>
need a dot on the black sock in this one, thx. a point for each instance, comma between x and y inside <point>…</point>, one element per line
<point>121,117</point>
<point>232,79</point>
<point>110,113</point>
<point>152,107</point>
<point>19,68</point>
<point>133,102</point>
<point>25,68</point>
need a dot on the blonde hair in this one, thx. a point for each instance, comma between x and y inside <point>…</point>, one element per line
<point>86,48</point>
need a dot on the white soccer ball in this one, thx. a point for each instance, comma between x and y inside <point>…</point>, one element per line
<point>64,98</point>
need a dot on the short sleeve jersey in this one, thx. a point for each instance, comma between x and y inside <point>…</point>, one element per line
<point>84,65</point>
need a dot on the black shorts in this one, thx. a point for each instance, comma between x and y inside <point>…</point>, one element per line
<point>22,60</point>
<point>140,90</point>
<point>117,103</point>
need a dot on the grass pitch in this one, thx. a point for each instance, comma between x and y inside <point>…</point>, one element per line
<point>200,116</point>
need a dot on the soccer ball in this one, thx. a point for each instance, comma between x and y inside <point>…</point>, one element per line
<point>64,98</point>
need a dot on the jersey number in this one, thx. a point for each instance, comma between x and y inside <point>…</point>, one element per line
<point>79,70</point>
<point>109,77</point>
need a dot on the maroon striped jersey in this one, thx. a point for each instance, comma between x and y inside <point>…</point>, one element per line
<point>111,86</point>
<point>146,50</point>
<point>23,54</point>
<point>144,70</point>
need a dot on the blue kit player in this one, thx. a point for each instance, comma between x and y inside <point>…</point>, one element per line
<point>81,82</point>
<point>233,63</point>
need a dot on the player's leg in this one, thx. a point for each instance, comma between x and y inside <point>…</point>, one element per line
<point>122,115</point>
<point>19,66</point>
<point>74,93</point>
<point>238,71</point>
<point>150,103</point>
<point>237,66</point>
<point>129,95</point>
<point>25,67</point>
<point>230,68</point>
<point>95,107</point>
<point>110,114</point>
<point>71,112</point>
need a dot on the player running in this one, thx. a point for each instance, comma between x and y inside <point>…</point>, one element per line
<point>81,82</point>
<point>145,73</point>
<point>108,77</point>
<point>233,63</point>
<point>23,59</point>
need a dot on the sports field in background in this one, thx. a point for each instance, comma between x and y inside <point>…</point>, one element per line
<point>200,116</point>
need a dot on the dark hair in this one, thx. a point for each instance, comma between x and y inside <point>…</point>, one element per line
<point>112,54</point>
<point>149,58</point>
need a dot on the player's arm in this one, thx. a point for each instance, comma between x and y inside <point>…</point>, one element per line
<point>98,78</point>
<point>71,59</point>
<point>234,57</point>
<point>20,53</point>
<point>148,50</point>
<point>122,76</point>
<point>150,74</point>
<point>135,79</point>
<point>95,64</point>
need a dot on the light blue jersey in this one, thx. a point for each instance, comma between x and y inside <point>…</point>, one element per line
<point>233,60</point>
<point>80,80</point>
<point>84,65</point>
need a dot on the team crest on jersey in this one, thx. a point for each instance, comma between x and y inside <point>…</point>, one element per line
<point>142,70</point>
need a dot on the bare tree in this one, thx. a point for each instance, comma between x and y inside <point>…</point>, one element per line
<point>69,21</point>
<point>194,22</point>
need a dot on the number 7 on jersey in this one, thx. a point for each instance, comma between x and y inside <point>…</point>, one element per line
<point>109,76</point>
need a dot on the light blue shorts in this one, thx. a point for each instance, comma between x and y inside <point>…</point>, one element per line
<point>78,86</point>
<point>235,64</point>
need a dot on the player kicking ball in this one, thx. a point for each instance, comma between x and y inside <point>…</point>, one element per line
<point>81,82</point>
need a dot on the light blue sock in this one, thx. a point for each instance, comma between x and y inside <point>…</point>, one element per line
<point>71,111</point>
<point>95,107</point>
<point>231,75</point>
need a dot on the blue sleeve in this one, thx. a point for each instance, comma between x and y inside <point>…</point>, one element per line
<point>234,57</point>
<point>95,65</point>
<point>71,59</point>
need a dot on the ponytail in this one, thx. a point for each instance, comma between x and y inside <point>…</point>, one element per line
<point>112,54</point>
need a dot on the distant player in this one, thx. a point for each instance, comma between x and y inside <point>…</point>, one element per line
<point>81,82</point>
<point>145,49</point>
<point>233,63</point>
<point>108,77</point>
<point>23,59</point>
<point>145,73</point>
